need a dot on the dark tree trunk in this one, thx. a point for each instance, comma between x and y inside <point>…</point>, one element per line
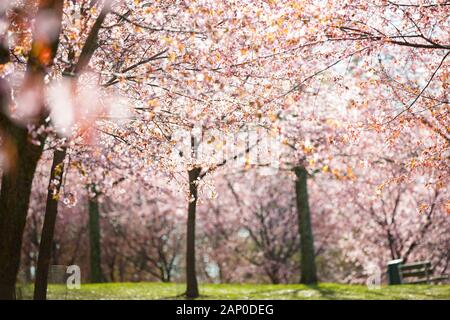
<point>51,212</point>
<point>4,46</point>
<point>94,237</point>
<point>191,275</point>
<point>15,194</point>
<point>14,200</point>
<point>17,179</point>
<point>307,253</point>
<point>45,247</point>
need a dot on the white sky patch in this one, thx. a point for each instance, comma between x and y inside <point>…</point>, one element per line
<point>118,109</point>
<point>61,104</point>
<point>89,101</point>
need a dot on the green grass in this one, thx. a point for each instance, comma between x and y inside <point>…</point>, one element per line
<point>147,290</point>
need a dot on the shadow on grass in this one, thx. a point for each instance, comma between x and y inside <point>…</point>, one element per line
<point>325,293</point>
<point>182,296</point>
<point>340,294</point>
<point>322,293</point>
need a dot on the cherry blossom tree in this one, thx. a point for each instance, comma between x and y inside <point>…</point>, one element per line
<point>17,179</point>
<point>138,95</point>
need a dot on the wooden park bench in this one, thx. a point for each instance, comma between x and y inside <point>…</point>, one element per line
<point>416,273</point>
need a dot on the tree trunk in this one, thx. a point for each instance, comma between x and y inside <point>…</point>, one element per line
<point>191,276</point>
<point>14,200</point>
<point>307,253</point>
<point>51,211</point>
<point>46,243</point>
<point>94,238</point>
<point>4,46</point>
<point>17,179</point>
<point>15,193</point>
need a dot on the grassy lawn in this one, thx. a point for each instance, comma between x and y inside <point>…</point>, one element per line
<point>332,291</point>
